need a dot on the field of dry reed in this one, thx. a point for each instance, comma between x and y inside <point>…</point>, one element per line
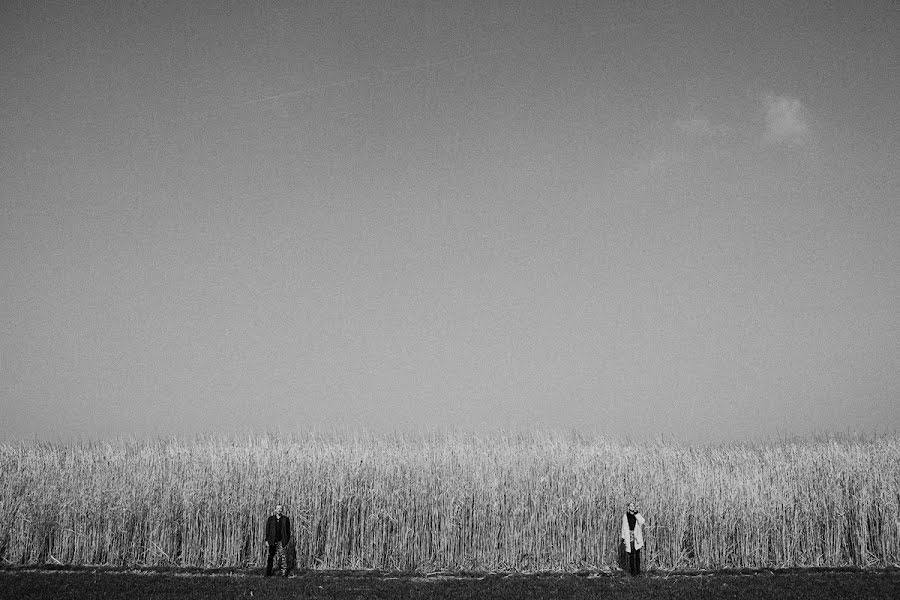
<point>451,501</point>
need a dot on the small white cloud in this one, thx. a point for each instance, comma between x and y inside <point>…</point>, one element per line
<point>659,160</point>
<point>699,127</point>
<point>785,121</point>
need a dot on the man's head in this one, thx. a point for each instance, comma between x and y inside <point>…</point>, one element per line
<point>279,509</point>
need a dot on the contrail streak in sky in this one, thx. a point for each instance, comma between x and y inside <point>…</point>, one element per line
<point>384,73</point>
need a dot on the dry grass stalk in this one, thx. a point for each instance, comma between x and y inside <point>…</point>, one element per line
<point>527,502</point>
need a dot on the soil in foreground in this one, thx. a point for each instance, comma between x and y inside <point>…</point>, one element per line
<point>62,584</point>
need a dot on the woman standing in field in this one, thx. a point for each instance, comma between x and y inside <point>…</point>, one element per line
<point>633,537</point>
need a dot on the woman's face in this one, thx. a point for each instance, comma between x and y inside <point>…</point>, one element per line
<point>631,507</point>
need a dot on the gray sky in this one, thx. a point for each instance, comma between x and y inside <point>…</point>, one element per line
<point>669,219</point>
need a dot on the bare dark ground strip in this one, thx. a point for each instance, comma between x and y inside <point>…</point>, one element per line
<point>63,583</point>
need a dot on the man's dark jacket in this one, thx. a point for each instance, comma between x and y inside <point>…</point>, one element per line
<point>272,530</point>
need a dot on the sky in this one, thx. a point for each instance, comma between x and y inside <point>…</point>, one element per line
<point>666,219</point>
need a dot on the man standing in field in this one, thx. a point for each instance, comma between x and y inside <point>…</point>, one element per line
<point>633,537</point>
<point>278,536</point>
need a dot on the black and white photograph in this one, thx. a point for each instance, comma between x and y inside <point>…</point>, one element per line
<point>449,299</point>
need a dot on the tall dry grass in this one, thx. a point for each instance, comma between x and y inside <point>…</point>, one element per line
<point>527,502</point>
